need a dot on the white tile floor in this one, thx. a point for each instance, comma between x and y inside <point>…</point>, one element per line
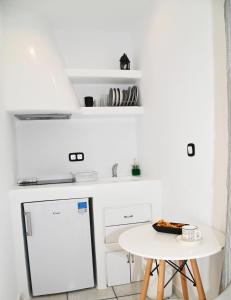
<point>122,292</point>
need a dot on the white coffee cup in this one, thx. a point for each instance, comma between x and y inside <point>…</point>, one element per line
<point>191,233</point>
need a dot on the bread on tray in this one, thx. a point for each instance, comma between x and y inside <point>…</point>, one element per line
<point>164,223</point>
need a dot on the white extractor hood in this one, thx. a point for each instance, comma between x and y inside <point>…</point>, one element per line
<point>34,77</point>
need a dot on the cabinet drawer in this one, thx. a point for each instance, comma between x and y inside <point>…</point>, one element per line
<point>128,214</point>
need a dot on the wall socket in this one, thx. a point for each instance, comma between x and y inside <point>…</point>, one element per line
<point>76,156</point>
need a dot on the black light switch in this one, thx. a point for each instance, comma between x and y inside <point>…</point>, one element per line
<point>191,149</point>
<point>76,156</point>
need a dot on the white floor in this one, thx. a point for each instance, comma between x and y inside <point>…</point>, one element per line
<point>122,292</point>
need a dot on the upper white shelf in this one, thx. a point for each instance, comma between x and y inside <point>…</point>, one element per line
<point>103,76</point>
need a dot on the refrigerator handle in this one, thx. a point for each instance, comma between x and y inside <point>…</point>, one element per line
<point>28,223</point>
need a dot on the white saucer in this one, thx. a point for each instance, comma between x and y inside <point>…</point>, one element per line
<point>189,243</point>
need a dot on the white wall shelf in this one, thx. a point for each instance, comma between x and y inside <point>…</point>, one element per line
<point>112,111</point>
<point>103,76</point>
<point>84,81</point>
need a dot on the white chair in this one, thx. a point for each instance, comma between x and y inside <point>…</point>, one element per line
<point>226,295</point>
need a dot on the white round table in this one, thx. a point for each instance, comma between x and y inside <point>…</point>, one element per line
<point>144,241</point>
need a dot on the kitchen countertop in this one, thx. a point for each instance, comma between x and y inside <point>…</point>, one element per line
<point>100,181</point>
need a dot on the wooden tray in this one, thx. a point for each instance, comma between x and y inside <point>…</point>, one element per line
<point>168,229</point>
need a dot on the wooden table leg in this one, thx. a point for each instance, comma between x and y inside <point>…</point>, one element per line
<point>184,281</point>
<point>146,279</point>
<point>160,287</point>
<point>197,278</point>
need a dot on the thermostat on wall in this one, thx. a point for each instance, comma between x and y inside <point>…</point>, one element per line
<point>76,156</point>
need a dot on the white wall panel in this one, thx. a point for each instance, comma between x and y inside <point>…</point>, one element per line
<point>178,95</point>
<point>8,285</point>
<point>43,146</point>
<point>181,91</point>
<point>94,48</point>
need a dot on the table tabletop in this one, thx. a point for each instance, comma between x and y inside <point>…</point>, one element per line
<point>146,242</point>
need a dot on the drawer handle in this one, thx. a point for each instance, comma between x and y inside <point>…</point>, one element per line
<point>128,258</point>
<point>28,223</point>
<point>127,217</point>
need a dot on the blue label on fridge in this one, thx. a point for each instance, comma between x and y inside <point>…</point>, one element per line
<point>82,206</point>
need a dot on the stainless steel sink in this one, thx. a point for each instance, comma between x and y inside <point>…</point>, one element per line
<point>47,181</point>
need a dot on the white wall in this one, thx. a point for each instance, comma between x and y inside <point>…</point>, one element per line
<point>93,48</point>
<point>181,107</point>
<point>93,34</point>
<point>179,101</point>
<point>8,289</point>
<point>43,146</point>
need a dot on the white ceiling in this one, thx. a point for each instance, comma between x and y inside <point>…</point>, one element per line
<point>118,14</point>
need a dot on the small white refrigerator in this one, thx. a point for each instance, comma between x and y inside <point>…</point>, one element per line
<point>59,245</point>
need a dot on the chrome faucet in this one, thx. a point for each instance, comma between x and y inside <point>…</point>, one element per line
<point>114,170</point>
<point>73,177</point>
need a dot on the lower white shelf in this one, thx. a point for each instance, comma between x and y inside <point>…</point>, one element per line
<point>123,110</point>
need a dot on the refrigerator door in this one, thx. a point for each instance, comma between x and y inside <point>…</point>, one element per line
<point>59,245</point>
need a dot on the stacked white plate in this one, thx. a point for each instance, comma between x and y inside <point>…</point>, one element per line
<point>118,97</point>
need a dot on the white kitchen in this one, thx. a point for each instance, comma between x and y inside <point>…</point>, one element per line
<point>114,117</point>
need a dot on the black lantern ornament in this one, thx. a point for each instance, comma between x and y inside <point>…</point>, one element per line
<point>124,62</point>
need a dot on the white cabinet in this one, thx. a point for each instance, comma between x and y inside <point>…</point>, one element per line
<point>137,268</point>
<point>118,268</point>
<point>123,268</point>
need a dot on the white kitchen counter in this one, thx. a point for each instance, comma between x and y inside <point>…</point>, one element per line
<point>105,193</point>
